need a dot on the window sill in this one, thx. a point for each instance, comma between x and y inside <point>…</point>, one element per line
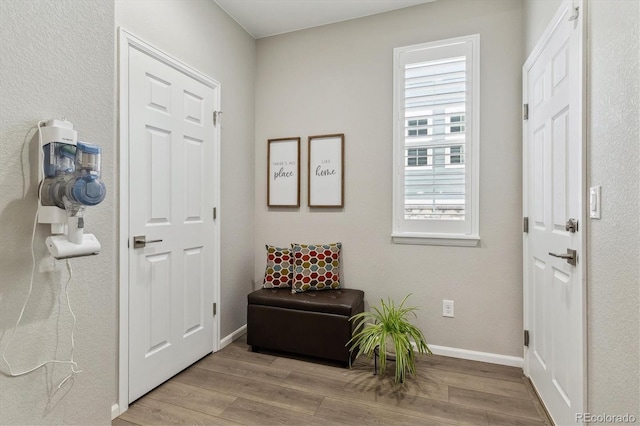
<point>459,240</point>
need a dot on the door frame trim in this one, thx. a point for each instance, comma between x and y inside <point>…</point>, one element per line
<point>127,40</point>
<point>566,7</point>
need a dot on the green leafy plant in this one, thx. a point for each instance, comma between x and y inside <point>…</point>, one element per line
<point>389,324</point>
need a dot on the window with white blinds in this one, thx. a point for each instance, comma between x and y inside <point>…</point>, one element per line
<point>436,88</point>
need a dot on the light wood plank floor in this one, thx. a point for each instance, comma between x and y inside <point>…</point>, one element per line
<point>238,387</point>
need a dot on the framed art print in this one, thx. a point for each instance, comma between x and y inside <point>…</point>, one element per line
<point>283,172</point>
<point>326,170</point>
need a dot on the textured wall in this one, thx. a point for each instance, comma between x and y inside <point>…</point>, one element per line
<point>200,34</point>
<point>338,78</point>
<point>57,60</point>
<point>613,271</point>
<point>614,241</point>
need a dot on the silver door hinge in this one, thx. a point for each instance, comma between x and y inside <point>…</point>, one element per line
<point>217,116</point>
<point>525,225</point>
<point>526,338</point>
<point>525,111</point>
<point>215,309</point>
<point>215,213</point>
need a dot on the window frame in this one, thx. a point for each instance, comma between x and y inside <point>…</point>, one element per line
<point>428,156</point>
<point>436,231</point>
<point>448,160</point>
<point>417,127</point>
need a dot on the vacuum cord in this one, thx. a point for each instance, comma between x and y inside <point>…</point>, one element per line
<point>73,364</point>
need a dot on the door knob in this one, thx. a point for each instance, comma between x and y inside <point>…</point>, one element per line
<point>571,225</point>
<point>571,256</point>
<point>140,241</point>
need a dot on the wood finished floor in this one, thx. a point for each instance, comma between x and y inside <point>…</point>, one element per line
<point>238,387</point>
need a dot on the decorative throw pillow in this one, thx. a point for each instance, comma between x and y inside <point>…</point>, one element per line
<point>279,268</point>
<point>316,267</point>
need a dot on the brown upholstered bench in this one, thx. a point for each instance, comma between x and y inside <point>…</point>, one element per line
<point>314,323</point>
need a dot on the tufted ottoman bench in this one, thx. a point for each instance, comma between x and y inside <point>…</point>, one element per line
<point>314,323</point>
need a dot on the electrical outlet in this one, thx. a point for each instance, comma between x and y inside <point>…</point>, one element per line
<point>447,308</point>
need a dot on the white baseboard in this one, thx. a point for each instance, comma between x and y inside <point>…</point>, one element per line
<point>511,361</point>
<point>115,411</point>
<point>233,336</point>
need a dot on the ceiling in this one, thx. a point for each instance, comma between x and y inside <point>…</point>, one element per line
<point>264,18</point>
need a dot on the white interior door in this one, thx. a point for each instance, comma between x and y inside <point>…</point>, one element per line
<point>172,194</point>
<point>553,188</point>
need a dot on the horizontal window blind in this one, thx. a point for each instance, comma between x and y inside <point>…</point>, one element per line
<point>434,110</point>
<point>436,142</point>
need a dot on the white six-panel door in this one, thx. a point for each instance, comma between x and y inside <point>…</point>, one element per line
<point>553,187</point>
<point>171,200</point>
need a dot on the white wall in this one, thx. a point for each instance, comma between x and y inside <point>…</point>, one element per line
<point>614,241</point>
<point>613,271</point>
<point>57,60</point>
<point>203,36</point>
<point>538,14</point>
<point>338,79</point>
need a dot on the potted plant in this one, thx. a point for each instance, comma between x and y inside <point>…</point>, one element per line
<point>387,329</point>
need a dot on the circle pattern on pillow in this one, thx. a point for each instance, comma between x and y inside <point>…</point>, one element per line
<point>316,267</point>
<point>279,268</point>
